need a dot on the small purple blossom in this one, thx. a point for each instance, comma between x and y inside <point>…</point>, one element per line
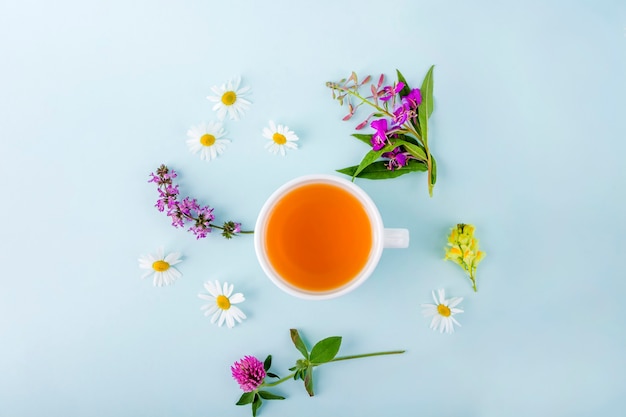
<point>397,158</point>
<point>187,210</point>
<point>390,91</point>
<point>188,205</point>
<point>175,213</point>
<point>379,139</point>
<point>249,373</point>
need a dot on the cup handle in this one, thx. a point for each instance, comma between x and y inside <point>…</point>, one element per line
<point>396,238</point>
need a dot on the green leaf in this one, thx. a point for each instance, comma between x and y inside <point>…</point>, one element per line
<point>423,120</point>
<point>266,395</point>
<point>246,398</point>
<point>433,172</point>
<point>378,170</point>
<point>308,381</point>
<point>326,349</point>
<point>408,138</point>
<point>427,92</point>
<point>299,343</point>
<point>267,363</point>
<point>272,375</point>
<point>371,157</point>
<point>406,89</point>
<point>364,138</point>
<point>367,160</point>
<point>415,150</point>
<point>256,404</point>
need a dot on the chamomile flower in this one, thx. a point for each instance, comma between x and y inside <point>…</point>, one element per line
<point>229,99</point>
<point>221,303</point>
<point>161,266</point>
<point>443,311</point>
<point>280,138</point>
<point>206,138</point>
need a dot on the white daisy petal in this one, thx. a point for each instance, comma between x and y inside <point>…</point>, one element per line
<point>222,318</point>
<point>453,302</point>
<point>210,287</point>
<point>211,309</point>
<point>216,315</point>
<point>237,313</point>
<point>229,290</point>
<point>230,322</point>
<point>172,258</point>
<point>236,298</point>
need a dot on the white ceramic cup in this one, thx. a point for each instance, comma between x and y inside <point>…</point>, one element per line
<point>381,237</point>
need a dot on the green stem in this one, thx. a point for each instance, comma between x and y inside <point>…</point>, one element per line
<point>337,359</point>
<point>243,232</point>
<point>280,381</point>
<point>473,278</point>
<point>365,355</point>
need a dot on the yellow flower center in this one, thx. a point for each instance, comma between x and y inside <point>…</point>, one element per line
<point>279,139</point>
<point>229,98</point>
<point>223,302</point>
<point>207,140</point>
<point>443,310</point>
<point>160,266</point>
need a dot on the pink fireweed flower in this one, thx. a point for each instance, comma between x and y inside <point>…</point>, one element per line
<point>401,114</point>
<point>379,139</point>
<point>413,99</point>
<point>390,91</point>
<point>408,108</point>
<point>249,373</point>
<point>397,158</point>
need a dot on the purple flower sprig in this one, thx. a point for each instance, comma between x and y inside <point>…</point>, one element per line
<point>187,210</point>
<point>400,123</point>
<point>251,374</point>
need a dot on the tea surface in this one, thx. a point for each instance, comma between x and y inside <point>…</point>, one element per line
<point>318,237</point>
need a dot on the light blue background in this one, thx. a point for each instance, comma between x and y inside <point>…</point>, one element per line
<point>529,133</point>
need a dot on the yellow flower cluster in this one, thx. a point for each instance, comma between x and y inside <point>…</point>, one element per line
<point>463,250</point>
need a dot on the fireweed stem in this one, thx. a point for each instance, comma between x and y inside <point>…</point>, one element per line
<point>337,359</point>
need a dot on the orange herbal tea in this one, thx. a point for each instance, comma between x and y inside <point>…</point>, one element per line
<point>318,237</point>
